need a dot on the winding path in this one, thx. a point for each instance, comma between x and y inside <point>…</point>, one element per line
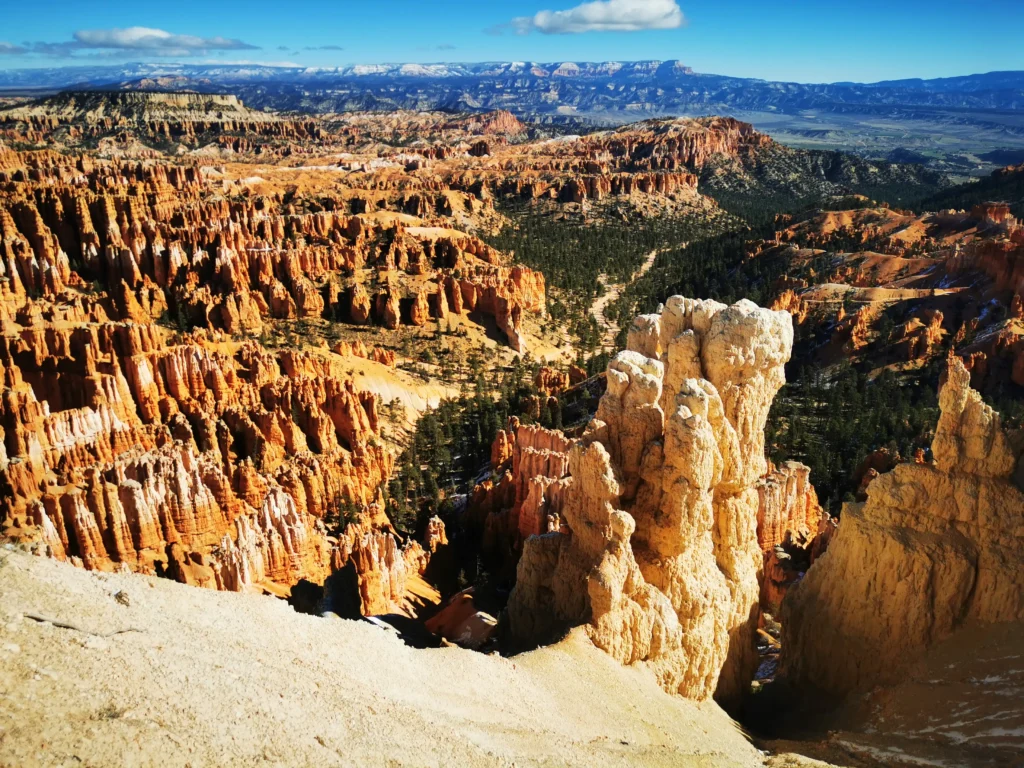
<point>609,328</point>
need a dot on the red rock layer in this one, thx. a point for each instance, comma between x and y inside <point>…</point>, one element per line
<point>551,381</point>
<point>130,445</point>
<point>787,506</point>
<point>163,246</point>
<point>382,564</point>
<point>916,285</point>
<point>657,157</point>
<point>792,530</point>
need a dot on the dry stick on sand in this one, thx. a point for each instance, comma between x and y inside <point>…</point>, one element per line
<point>66,625</point>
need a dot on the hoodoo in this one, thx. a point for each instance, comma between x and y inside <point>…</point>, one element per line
<point>380,372</point>
<point>660,556</point>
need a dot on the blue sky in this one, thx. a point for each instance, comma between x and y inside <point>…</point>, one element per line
<point>801,40</point>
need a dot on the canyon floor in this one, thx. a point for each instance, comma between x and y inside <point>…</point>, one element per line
<point>213,678</point>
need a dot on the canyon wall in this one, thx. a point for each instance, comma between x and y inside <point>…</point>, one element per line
<point>659,556</point>
<point>935,547</point>
<point>162,243</point>
<point>905,287</point>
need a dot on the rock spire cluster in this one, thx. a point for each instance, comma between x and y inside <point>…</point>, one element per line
<point>196,451</point>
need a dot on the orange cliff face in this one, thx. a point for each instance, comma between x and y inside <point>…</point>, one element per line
<point>456,165</point>
<point>792,530</point>
<point>200,453</point>
<point>212,460</point>
<point>137,445</point>
<point>118,122</point>
<point>525,501</point>
<point>163,242</point>
<point>656,157</point>
<point>244,457</point>
<point>912,286</point>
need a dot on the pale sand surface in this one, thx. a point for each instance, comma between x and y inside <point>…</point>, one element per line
<point>240,679</point>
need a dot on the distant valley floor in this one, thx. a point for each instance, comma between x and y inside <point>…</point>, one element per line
<point>963,143</point>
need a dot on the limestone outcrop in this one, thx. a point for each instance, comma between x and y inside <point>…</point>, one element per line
<point>659,556</point>
<point>550,381</point>
<point>935,547</point>
<point>143,424</point>
<point>382,564</point>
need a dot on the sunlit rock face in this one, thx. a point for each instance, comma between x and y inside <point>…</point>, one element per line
<point>935,547</point>
<point>660,557</point>
<point>199,455</point>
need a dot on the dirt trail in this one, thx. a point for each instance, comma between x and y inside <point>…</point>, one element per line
<point>609,328</point>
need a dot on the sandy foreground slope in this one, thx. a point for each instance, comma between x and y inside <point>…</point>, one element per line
<point>218,678</point>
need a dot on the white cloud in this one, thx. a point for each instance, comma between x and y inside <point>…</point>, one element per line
<point>136,41</point>
<point>10,49</point>
<point>604,16</point>
<point>153,40</point>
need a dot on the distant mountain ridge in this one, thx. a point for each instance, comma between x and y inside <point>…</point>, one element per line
<point>988,81</point>
<point>64,76</point>
<point>593,89</point>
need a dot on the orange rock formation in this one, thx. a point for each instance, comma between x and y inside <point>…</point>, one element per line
<point>212,459</point>
<point>934,548</point>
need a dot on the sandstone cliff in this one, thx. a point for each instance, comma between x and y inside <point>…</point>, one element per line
<point>792,530</point>
<point>220,468</point>
<point>163,243</point>
<point>935,547</point>
<point>526,499</point>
